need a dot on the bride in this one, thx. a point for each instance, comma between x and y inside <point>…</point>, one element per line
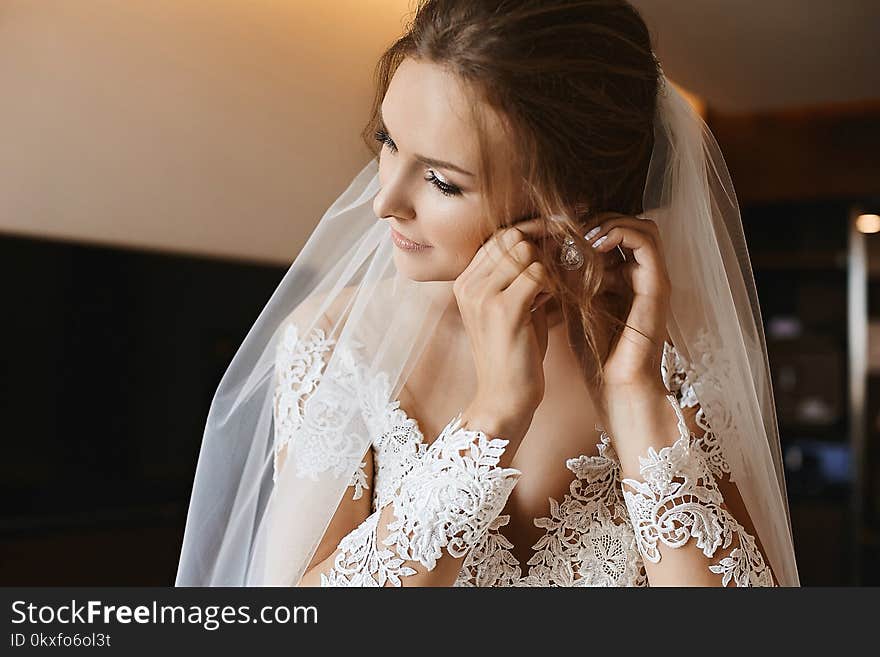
<point>523,348</point>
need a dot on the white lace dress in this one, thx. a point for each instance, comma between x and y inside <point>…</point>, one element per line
<point>448,496</point>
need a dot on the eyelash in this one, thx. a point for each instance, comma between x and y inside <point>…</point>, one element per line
<point>444,188</point>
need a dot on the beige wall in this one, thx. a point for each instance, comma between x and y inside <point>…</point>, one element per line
<point>220,127</point>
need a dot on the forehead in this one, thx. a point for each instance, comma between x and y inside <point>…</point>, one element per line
<point>427,111</point>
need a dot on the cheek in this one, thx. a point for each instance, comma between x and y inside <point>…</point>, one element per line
<point>455,232</point>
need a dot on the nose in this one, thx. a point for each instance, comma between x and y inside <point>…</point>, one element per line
<point>392,199</point>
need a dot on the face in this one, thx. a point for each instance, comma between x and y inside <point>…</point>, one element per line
<point>430,190</point>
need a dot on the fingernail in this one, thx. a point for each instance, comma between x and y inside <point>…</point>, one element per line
<point>593,233</point>
<point>599,241</point>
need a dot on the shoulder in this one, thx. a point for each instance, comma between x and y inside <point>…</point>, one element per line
<point>330,309</point>
<point>304,338</point>
<point>320,315</point>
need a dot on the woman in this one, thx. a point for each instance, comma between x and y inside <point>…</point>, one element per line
<point>507,278</point>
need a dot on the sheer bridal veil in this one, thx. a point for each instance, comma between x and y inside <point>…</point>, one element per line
<point>351,329</point>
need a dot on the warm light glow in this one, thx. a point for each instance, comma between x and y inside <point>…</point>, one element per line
<point>868,223</point>
<point>695,101</point>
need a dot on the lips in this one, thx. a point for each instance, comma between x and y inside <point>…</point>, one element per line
<point>409,242</point>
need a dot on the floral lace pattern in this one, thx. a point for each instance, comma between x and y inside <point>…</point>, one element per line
<point>399,447</point>
<point>597,535</point>
<point>327,441</point>
<point>359,481</point>
<point>362,561</point>
<point>449,500</point>
<point>679,499</point>
<point>302,362</point>
<point>673,371</point>
<point>588,540</point>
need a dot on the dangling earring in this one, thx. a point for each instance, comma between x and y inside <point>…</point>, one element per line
<point>571,258</point>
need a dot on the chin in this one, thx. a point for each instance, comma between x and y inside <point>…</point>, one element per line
<point>420,277</point>
<point>420,272</point>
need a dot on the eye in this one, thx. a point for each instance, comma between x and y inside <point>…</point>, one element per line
<point>444,187</point>
<point>383,138</point>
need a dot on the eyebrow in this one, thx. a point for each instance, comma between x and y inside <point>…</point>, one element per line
<point>440,164</point>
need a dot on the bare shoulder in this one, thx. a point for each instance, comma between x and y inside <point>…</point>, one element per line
<point>329,309</point>
<point>321,310</point>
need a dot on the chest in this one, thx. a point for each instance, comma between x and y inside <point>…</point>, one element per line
<point>563,427</point>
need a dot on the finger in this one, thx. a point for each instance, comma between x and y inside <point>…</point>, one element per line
<point>530,282</point>
<point>644,249</point>
<point>493,251</point>
<point>648,226</point>
<point>534,228</point>
<point>500,256</point>
<point>519,257</point>
<point>635,220</point>
<point>490,251</point>
<point>539,322</point>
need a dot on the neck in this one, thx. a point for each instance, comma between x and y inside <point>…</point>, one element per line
<point>554,312</point>
<point>452,323</point>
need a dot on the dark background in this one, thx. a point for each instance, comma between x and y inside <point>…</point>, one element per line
<point>113,356</point>
<point>170,124</point>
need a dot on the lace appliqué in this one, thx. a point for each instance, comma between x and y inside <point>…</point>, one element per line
<point>589,537</point>
<point>589,540</point>
<point>299,364</point>
<point>361,561</point>
<point>400,447</point>
<point>491,562</point>
<point>679,499</point>
<point>449,500</point>
<point>359,481</point>
<point>704,377</point>
<point>327,442</point>
<point>673,371</point>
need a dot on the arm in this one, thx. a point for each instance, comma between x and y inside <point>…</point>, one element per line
<point>352,510</point>
<point>671,482</point>
<point>442,508</point>
<point>691,525</point>
<point>299,365</point>
<point>428,539</point>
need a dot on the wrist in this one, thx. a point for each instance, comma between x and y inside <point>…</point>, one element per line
<point>639,419</point>
<point>622,398</point>
<point>497,423</point>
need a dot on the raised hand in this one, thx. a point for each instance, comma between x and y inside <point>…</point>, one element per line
<point>495,296</point>
<point>635,359</point>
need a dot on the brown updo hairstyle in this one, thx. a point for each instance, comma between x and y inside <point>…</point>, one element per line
<point>575,84</point>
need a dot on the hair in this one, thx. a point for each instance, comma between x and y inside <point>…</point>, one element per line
<point>574,84</point>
